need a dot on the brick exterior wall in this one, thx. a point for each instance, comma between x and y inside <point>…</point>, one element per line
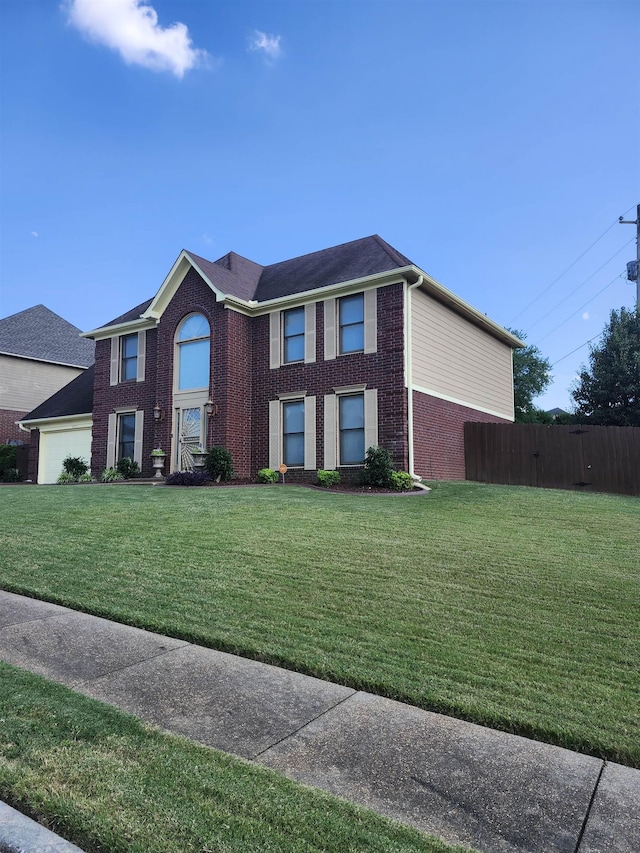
<point>34,450</point>
<point>383,370</point>
<point>242,384</point>
<point>438,436</point>
<point>9,430</point>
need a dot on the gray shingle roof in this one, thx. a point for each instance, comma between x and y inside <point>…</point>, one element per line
<point>357,259</point>
<point>76,398</point>
<point>40,334</point>
<point>236,276</point>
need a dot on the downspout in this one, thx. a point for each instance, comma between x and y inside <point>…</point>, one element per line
<point>409,371</point>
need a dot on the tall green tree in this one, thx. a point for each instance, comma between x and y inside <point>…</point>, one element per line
<point>531,375</point>
<point>609,391</point>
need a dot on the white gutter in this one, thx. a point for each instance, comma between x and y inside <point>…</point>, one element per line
<point>408,371</point>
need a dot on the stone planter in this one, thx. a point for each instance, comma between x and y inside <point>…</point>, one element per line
<point>198,460</point>
<point>158,464</point>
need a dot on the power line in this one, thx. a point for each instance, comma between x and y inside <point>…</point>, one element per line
<point>615,222</point>
<point>615,278</point>
<point>578,348</point>
<point>569,295</point>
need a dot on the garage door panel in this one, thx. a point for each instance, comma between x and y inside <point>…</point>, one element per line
<point>55,446</point>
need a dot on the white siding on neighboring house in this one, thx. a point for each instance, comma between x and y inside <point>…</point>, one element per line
<point>454,359</point>
<point>57,441</point>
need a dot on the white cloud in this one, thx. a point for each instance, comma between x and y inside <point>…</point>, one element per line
<point>131,27</point>
<point>585,315</point>
<point>269,45</point>
<point>34,234</point>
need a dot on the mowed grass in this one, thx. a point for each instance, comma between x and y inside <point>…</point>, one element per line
<point>114,785</point>
<point>517,608</point>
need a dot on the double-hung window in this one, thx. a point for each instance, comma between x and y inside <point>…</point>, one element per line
<point>351,428</point>
<point>127,360</point>
<point>128,357</point>
<point>351,324</point>
<point>293,433</point>
<point>350,425</point>
<point>126,436</point>
<point>293,335</point>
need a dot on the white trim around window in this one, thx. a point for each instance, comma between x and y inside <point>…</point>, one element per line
<point>117,357</point>
<point>276,428</point>
<point>113,440</point>
<point>332,337</point>
<point>369,396</point>
<point>277,345</point>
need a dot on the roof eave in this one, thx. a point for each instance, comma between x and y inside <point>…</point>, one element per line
<point>131,326</point>
<point>35,423</point>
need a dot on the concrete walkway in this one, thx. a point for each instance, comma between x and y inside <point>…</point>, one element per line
<point>490,791</point>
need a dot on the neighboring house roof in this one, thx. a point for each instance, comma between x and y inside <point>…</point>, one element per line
<point>39,334</point>
<point>76,398</point>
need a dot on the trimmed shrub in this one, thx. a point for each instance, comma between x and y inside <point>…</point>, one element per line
<point>267,475</point>
<point>128,468</point>
<point>111,475</point>
<point>401,481</point>
<point>187,478</point>
<point>85,478</point>
<point>326,479</point>
<point>8,462</point>
<point>219,464</point>
<point>65,478</point>
<point>378,468</point>
<point>76,466</point>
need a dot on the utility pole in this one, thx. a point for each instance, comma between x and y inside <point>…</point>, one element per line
<point>634,275</point>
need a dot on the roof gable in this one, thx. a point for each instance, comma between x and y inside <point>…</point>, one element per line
<point>39,334</point>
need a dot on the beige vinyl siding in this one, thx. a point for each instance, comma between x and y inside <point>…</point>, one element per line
<point>24,384</point>
<point>454,359</point>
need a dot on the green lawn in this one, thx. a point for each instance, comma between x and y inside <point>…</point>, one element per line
<point>114,785</point>
<point>513,607</point>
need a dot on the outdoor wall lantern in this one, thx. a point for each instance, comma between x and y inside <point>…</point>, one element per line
<point>158,414</point>
<point>210,407</point>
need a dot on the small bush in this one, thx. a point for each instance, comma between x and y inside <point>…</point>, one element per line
<point>326,479</point>
<point>8,462</point>
<point>128,468</point>
<point>378,468</point>
<point>401,481</point>
<point>219,464</point>
<point>187,478</point>
<point>64,478</point>
<point>85,478</point>
<point>111,475</point>
<point>76,466</point>
<point>267,475</point>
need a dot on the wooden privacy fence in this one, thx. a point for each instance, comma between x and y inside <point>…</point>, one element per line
<point>585,458</point>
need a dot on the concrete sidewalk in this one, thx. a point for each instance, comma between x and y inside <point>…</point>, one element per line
<point>469,785</point>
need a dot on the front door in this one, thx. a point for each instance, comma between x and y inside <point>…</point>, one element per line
<point>190,436</point>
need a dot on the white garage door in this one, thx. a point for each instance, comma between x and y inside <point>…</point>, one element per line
<point>56,446</point>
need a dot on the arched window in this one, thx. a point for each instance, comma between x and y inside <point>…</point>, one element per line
<point>193,345</point>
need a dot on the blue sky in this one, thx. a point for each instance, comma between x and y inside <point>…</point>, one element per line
<point>490,142</point>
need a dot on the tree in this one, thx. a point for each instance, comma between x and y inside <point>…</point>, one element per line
<point>531,375</point>
<point>609,391</point>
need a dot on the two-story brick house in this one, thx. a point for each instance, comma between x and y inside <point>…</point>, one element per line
<point>306,362</point>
